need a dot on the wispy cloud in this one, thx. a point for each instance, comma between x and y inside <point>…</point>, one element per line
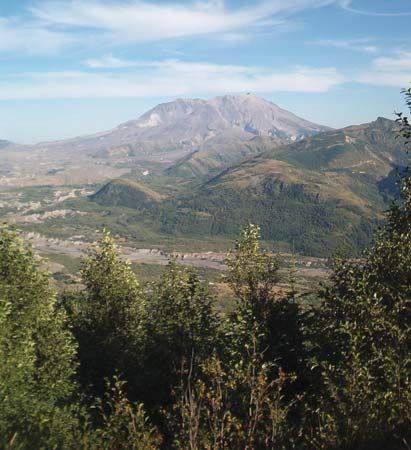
<point>110,62</point>
<point>364,45</point>
<point>348,6</point>
<point>29,37</point>
<point>143,21</point>
<point>393,71</point>
<point>399,62</point>
<point>53,25</point>
<point>389,79</point>
<point>170,78</point>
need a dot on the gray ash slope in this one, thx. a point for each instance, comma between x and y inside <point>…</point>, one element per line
<point>187,124</point>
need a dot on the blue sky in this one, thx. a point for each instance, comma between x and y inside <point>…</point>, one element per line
<point>74,67</point>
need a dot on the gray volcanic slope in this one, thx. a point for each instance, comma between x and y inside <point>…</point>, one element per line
<point>197,121</point>
<point>212,134</point>
<point>191,123</point>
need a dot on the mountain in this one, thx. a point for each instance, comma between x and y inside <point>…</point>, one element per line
<point>203,169</point>
<point>371,148</point>
<point>217,133</point>
<point>368,148</point>
<point>214,156</point>
<point>182,126</point>
<point>318,195</point>
<point>197,121</point>
<point>188,124</point>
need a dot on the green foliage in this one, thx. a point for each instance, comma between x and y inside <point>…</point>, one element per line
<point>289,214</point>
<point>232,406</point>
<point>112,291</point>
<point>181,326</point>
<point>127,193</point>
<point>363,338</point>
<point>240,399</point>
<point>404,121</point>
<point>265,316</point>
<point>107,317</point>
<point>37,354</point>
<point>252,273</point>
<point>211,382</point>
<point>124,426</point>
<point>265,376</point>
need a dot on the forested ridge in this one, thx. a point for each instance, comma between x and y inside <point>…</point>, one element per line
<point>120,366</point>
<point>318,195</point>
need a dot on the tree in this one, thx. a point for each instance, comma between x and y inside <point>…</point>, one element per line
<point>232,406</point>
<point>37,354</point>
<point>363,340</point>
<point>265,316</point>
<point>242,398</point>
<point>124,425</point>
<point>182,330</point>
<point>108,319</point>
<point>404,121</point>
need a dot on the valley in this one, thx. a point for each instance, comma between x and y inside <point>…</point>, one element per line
<point>188,175</point>
<point>63,235</point>
<point>205,225</point>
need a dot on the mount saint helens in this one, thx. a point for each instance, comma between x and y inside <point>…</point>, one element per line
<point>203,169</point>
<point>159,139</point>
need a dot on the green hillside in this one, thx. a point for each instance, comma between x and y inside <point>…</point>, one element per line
<point>129,194</point>
<point>320,195</point>
<point>218,155</point>
<point>370,148</point>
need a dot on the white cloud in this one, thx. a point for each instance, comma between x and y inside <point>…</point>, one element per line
<point>363,45</point>
<point>17,36</point>
<point>400,62</point>
<point>348,6</point>
<point>51,26</point>
<point>143,21</point>
<point>170,78</point>
<point>392,71</point>
<point>390,79</point>
<point>110,62</point>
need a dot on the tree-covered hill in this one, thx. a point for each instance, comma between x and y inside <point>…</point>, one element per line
<point>126,193</point>
<point>319,195</point>
<point>219,154</point>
